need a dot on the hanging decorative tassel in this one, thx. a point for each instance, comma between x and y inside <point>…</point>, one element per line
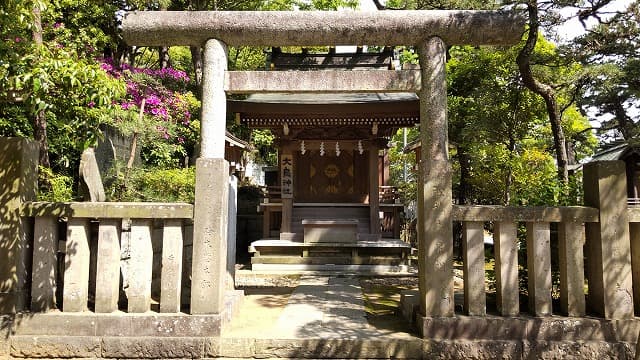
<point>303,149</point>
<point>360,149</point>
<point>337,148</point>
<point>322,148</point>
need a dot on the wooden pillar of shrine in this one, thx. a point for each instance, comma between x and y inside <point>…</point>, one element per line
<point>374,199</point>
<point>286,188</point>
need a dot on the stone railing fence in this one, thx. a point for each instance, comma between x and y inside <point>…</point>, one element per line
<point>105,257</point>
<point>87,256</point>
<point>570,223</point>
<point>80,251</point>
<point>601,240</point>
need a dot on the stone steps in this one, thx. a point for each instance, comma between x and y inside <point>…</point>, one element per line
<point>328,260</point>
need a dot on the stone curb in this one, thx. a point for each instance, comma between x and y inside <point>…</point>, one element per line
<point>117,324</point>
<point>537,329</point>
<point>315,348</point>
<point>55,346</point>
<point>24,346</point>
<point>153,348</point>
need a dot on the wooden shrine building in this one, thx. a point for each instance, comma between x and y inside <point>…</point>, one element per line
<point>333,204</point>
<point>629,152</point>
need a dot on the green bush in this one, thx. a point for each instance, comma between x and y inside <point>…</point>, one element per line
<point>54,187</point>
<point>155,185</point>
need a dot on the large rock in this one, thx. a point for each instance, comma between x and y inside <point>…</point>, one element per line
<point>92,187</point>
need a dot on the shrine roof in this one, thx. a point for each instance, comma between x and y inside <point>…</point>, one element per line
<point>330,98</point>
<point>617,150</point>
<point>327,109</point>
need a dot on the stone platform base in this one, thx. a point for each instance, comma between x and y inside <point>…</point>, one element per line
<point>417,349</point>
<point>533,329</point>
<point>362,257</point>
<point>26,346</point>
<point>303,268</point>
<point>115,335</point>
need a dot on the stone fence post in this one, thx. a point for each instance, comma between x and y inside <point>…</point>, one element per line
<point>608,248</point>
<point>18,183</point>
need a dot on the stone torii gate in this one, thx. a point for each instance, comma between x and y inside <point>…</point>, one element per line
<point>430,31</point>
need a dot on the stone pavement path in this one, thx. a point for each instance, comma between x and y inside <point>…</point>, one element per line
<point>321,307</point>
<point>323,318</point>
<point>325,307</point>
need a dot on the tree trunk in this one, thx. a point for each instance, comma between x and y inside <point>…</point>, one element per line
<point>462,198</point>
<point>40,135</point>
<point>625,123</point>
<point>544,90</point>
<point>196,59</point>
<point>134,140</point>
<point>163,51</point>
<point>465,170</point>
<point>40,117</point>
<point>508,181</point>
<point>163,55</point>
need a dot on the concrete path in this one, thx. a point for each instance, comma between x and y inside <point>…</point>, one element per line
<point>320,307</point>
<point>324,317</point>
<point>325,307</point>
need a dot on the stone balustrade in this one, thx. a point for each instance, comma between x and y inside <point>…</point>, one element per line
<point>100,242</point>
<point>537,220</point>
<point>89,235</point>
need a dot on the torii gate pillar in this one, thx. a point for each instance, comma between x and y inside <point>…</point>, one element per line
<point>211,197</point>
<point>435,234</point>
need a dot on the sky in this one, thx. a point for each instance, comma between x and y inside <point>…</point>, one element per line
<point>573,27</point>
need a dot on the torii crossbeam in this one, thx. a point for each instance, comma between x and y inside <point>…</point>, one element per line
<point>324,28</point>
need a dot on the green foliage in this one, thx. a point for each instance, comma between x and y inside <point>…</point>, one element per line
<point>403,163</point>
<point>326,4</point>
<point>499,134</point>
<point>58,78</point>
<point>246,58</point>
<point>263,140</point>
<point>155,185</point>
<point>408,56</point>
<point>440,4</point>
<point>14,121</point>
<point>181,58</point>
<point>610,83</point>
<point>59,189</point>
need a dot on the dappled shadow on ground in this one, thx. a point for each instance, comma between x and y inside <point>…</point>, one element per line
<point>270,296</point>
<point>260,309</point>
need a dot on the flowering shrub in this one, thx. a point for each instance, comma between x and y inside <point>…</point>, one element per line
<point>158,107</point>
<point>55,84</point>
